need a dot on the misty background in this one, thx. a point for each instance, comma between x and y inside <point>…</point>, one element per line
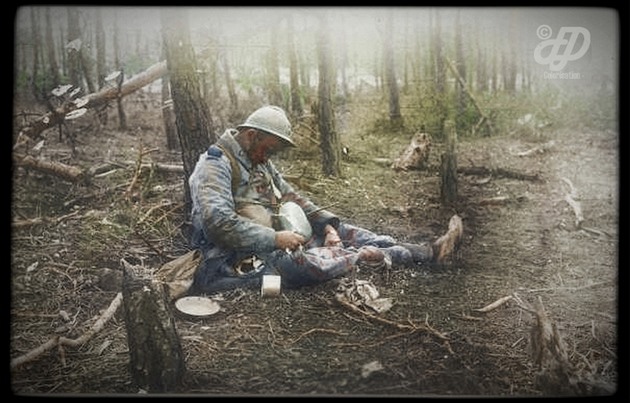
<point>246,53</point>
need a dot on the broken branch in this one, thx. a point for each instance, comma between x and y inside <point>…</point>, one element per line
<point>495,304</point>
<point>58,341</point>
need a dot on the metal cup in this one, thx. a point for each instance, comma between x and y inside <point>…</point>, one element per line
<point>270,285</point>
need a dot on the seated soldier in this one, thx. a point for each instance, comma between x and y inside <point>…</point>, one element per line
<point>237,197</point>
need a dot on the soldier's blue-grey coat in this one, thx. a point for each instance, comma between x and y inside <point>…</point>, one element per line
<point>226,237</point>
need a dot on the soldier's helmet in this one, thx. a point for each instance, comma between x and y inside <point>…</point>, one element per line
<point>270,119</point>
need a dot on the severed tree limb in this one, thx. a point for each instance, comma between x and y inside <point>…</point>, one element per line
<point>34,131</point>
<point>66,172</point>
<point>497,172</point>
<point>577,210</point>
<point>76,175</point>
<point>59,341</point>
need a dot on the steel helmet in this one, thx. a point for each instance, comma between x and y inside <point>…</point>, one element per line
<point>270,119</point>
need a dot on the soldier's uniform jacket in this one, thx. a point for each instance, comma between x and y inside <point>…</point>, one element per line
<point>218,230</point>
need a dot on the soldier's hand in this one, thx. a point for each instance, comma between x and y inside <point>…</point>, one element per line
<point>289,240</point>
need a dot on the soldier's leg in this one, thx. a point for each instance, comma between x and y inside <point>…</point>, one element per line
<point>312,266</point>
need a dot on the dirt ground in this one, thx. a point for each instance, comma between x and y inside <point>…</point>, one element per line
<point>521,241</point>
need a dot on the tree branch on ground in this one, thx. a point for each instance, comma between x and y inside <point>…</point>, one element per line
<point>33,132</point>
<point>60,342</point>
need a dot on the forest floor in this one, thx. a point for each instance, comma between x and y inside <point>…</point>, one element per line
<point>520,241</point>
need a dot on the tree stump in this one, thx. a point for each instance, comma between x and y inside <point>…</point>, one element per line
<point>415,155</point>
<point>448,169</point>
<point>156,357</point>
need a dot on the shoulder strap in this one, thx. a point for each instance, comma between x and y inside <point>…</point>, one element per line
<point>236,169</point>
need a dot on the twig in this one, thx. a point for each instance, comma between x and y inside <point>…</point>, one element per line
<point>397,325</point>
<point>539,149</point>
<point>165,203</point>
<point>41,220</point>
<point>57,341</point>
<point>495,304</point>
<point>317,329</point>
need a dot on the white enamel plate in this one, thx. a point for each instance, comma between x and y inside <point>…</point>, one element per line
<point>197,307</point>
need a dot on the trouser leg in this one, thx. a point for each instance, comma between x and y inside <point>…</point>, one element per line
<point>399,253</point>
<point>312,266</point>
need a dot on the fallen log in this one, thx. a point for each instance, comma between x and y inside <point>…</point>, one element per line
<point>84,177</point>
<point>34,131</point>
<point>61,170</point>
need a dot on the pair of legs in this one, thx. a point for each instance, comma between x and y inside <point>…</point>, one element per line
<point>315,263</point>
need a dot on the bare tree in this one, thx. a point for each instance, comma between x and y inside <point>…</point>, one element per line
<point>273,83</point>
<point>440,74</point>
<point>194,126</point>
<point>460,63</point>
<point>331,152</point>
<point>168,116</point>
<point>296,101</point>
<point>122,117</point>
<point>101,69</point>
<point>230,83</point>
<point>50,47</point>
<point>37,57</point>
<point>390,71</point>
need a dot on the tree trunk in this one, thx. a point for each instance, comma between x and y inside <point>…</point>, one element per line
<point>273,83</point>
<point>194,126</point>
<point>122,118</point>
<point>296,101</point>
<point>461,121</point>
<point>390,73</point>
<point>74,58</point>
<point>448,169</point>
<point>156,358</point>
<point>101,71</point>
<point>331,153</point>
<point>440,73</point>
<point>50,45</point>
<point>168,115</point>
<point>230,84</point>
<point>36,42</point>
